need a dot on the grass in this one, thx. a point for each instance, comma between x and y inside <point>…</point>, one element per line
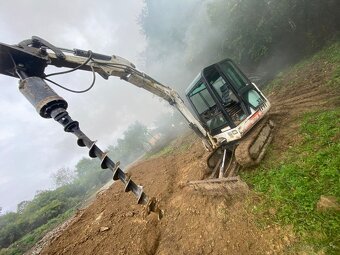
<point>332,55</point>
<point>291,186</point>
<point>167,150</point>
<point>172,148</point>
<point>294,186</point>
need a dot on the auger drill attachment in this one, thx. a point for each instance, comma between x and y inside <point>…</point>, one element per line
<point>50,105</point>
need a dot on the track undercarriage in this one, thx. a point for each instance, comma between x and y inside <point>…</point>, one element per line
<point>226,161</point>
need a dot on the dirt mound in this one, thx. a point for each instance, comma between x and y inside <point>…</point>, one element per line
<point>194,222</point>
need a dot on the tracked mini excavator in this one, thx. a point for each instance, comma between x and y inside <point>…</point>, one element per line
<point>231,112</point>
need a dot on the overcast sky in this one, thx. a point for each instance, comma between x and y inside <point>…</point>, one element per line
<point>31,148</point>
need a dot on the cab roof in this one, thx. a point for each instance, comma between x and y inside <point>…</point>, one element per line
<point>200,74</point>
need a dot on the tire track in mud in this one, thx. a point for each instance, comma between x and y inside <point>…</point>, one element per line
<point>152,232</point>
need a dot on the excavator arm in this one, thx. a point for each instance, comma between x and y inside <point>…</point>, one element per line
<point>108,66</point>
<point>27,62</point>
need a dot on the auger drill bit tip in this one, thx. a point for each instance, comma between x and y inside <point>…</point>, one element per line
<point>152,206</point>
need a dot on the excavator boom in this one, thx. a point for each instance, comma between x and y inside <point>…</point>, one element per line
<point>125,70</point>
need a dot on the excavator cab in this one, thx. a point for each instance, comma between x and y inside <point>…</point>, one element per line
<point>223,98</point>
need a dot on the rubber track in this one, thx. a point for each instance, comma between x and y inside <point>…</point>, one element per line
<point>242,153</point>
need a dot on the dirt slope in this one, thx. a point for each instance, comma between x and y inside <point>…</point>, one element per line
<point>194,223</point>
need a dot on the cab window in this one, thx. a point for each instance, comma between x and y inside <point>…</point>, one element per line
<point>201,98</point>
<point>206,107</point>
<point>234,75</point>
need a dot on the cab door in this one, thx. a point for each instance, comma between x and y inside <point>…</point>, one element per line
<point>227,99</point>
<point>246,91</point>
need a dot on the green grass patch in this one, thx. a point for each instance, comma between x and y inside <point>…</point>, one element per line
<point>176,146</point>
<point>294,185</point>
<point>331,54</point>
<point>167,150</point>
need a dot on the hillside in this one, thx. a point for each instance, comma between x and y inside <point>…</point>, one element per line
<point>304,157</point>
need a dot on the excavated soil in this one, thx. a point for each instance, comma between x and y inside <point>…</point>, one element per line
<point>194,222</point>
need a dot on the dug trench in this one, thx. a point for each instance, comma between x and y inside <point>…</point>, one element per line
<point>194,222</point>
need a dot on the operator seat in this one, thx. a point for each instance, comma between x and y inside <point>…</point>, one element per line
<point>226,100</point>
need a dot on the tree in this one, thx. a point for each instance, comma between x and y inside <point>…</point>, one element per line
<point>63,176</point>
<point>22,206</point>
<point>135,137</point>
<point>132,145</point>
<point>86,166</point>
<point>90,175</point>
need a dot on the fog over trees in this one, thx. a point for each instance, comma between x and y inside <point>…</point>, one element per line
<point>262,36</point>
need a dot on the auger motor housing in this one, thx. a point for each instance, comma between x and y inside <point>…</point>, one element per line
<point>41,96</point>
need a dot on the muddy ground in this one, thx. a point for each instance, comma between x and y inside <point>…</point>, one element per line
<point>194,222</point>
